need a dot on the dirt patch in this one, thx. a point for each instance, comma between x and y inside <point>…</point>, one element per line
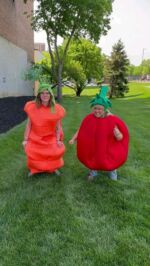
<point>11,111</point>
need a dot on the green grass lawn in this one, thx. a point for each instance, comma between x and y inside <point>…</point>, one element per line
<point>67,221</point>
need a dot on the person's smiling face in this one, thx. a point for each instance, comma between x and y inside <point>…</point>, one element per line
<point>45,97</point>
<point>98,110</point>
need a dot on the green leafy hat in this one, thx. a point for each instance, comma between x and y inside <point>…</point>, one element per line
<point>45,86</point>
<point>101,98</point>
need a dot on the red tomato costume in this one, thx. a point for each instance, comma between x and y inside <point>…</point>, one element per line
<point>97,147</point>
<point>43,153</point>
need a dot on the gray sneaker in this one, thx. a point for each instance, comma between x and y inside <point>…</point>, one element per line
<point>30,174</point>
<point>113,175</point>
<point>57,172</point>
<point>92,174</point>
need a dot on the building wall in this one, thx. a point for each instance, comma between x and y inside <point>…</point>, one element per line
<point>16,47</point>
<point>15,26</point>
<point>13,64</point>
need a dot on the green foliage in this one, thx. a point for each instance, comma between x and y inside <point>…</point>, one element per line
<point>141,70</point>
<point>89,56</point>
<point>67,221</point>
<point>83,62</point>
<point>106,68</point>
<point>75,73</point>
<point>68,19</point>
<point>40,72</point>
<point>49,15</point>
<point>118,70</point>
<point>145,67</point>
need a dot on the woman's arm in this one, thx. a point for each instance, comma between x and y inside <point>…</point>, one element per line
<point>27,132</point>
<point>58,133</point>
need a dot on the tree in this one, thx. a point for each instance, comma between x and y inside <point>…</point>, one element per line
<point>76,74</point>
<point>106,68</point>
<point>83,63</point>
<point>145,66</point>
<point>137,71</point>
<point>65,19</point>
<point>119,70</point>
<point>131,69</point>
<point>89,56</point>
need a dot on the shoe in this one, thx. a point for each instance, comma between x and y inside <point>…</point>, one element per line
<point>90,177</point>
<point>113,175</point>
<point>57,172</point>
<point>30,174</point>
<point>92,174</point>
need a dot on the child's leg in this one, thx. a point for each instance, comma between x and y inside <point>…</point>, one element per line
<point>92,174</point>
<point>113,174</point>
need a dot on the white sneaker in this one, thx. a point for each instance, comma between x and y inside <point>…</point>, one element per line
<point>113,175</point>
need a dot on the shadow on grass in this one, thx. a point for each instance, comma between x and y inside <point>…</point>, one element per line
<point>79,99</point>
<point>133,95</point>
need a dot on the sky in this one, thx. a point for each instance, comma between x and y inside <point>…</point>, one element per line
<point>130,22</point>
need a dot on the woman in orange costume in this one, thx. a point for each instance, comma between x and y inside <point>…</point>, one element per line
<point>43,134</point>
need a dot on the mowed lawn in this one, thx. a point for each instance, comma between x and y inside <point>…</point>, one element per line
<point>67,221</point>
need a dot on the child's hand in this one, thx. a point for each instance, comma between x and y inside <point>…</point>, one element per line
<point>118,134</point>
<point>71,141</point>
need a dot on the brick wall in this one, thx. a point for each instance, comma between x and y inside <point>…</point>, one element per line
<point>15,26</point>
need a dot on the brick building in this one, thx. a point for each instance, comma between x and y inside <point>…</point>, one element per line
<point>16,47</point>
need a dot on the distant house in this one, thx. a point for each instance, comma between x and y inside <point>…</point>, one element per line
<point>16,47</point>
<point>38,49</point>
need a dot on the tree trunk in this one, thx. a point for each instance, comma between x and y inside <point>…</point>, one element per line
<point>78,92</point>
<point>59,87</point>
<point>53,76</point>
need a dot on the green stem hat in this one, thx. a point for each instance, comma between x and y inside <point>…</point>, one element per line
<point>101,98</point>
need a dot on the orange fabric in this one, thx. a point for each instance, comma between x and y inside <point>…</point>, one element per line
<point>43,153</point>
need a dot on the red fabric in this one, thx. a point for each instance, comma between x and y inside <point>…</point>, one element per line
<point>97,147</point>
<point>43,153</point>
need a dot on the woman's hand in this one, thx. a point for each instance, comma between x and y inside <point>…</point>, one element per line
<point>59,143</point>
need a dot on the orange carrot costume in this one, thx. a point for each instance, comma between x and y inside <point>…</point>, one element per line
<point>42,150</point>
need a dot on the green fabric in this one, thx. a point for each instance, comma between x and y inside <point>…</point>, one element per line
<point>101,98</point>
<point>45,86</point>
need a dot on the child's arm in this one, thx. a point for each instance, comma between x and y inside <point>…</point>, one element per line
<point>117,133</point>
<point>27,132</point>
<point>74,138</point>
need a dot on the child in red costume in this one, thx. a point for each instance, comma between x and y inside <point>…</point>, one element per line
<point>102,139</point>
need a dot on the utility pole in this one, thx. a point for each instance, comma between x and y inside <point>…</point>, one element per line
<point>143,54</point>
